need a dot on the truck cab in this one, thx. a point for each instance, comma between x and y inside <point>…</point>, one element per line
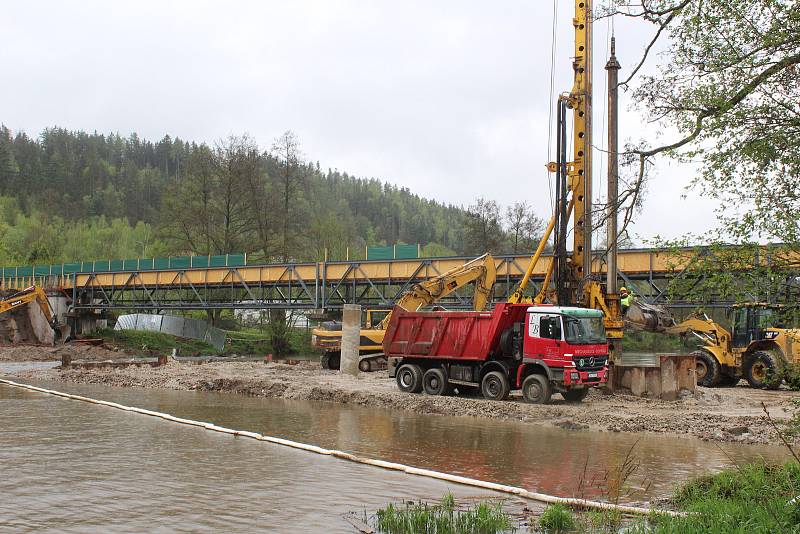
<point>568,346</point>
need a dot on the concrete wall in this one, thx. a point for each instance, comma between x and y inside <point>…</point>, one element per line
<point>673,374</point>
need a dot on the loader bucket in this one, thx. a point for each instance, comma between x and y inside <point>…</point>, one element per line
<point>648,317</point>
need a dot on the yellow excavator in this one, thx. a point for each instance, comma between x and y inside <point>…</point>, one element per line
<point>328,337</point>
<point>758,348</point>
<point>26,317</point>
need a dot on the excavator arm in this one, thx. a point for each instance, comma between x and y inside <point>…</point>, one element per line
<point>27,296</point>
<point>481,270</point>
<point>29,326</point>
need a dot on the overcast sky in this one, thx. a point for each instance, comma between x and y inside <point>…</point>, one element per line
<point>448,98</point>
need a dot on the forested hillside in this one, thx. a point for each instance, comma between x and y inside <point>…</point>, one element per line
<point>70,196</point>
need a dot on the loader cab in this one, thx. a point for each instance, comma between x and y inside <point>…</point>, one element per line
<point>750,322</point>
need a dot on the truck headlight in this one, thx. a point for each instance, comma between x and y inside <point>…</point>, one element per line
<point>574,376</point>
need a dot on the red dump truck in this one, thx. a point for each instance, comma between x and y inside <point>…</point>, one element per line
<point>539,349</point>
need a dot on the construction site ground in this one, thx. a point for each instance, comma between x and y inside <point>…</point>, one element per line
<point>719,414</point>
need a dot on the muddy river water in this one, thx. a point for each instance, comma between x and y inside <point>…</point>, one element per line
<point>72,466</point>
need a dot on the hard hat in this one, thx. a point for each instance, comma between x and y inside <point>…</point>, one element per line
<point>623,288</point>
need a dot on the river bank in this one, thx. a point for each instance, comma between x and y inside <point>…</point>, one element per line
<point>720,414</point>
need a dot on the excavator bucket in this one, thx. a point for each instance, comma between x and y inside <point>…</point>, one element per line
<point>648,317</point>
<point>64,333</point>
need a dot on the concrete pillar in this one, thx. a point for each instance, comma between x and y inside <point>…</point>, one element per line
<point>351,336</point>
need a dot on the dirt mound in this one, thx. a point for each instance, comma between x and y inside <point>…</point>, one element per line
<point>37,353</point>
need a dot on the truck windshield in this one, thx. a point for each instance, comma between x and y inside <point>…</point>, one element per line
<point>584,330</point>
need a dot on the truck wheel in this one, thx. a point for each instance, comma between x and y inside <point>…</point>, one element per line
<point>409,378</point>
<point>706,368</point>
<point>764,371</point>
<point>434,382</point>
<point>536,389</point>
<point>575,395</point>
<point>495,386</point>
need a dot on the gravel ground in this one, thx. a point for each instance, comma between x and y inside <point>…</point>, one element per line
<point>719,414</point>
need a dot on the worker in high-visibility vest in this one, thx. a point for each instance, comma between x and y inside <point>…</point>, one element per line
<point>625,299</point>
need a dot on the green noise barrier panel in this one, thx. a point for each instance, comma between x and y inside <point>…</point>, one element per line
<point>176,262</point>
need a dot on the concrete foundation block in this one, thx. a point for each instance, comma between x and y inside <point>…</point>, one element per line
<point>687,378</point>
<point>652,379</point>
<point>638,383</point>
<point>669,378</point>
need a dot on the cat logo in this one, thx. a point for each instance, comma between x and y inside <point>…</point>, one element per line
<point>16,303</point>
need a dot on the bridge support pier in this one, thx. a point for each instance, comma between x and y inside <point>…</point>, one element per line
<point>351,338</point>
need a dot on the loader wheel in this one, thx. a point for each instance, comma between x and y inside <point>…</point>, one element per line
<point>495,386</point>
<point>536,389</point>
<point>706,368</point>
<point>434,382</point>
<point>409,378</point>
<point>764,371</point>
<point>575,395</point>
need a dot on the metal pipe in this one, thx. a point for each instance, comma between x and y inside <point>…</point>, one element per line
<point>612,67</point>
<point>587,161</point>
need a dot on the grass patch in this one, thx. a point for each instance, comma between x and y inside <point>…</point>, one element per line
<point>557,518</point>
<point>153,343</point>
<point>244,342</point>
<point>443,518</point>
<point>755,498</point>
<point>638,341</point>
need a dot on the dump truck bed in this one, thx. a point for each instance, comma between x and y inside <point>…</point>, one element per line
<point>456,335</point>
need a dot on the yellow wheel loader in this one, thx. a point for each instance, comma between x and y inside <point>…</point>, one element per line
<point>26,317</point>
<point>328,337</point>
<point>758,348</point>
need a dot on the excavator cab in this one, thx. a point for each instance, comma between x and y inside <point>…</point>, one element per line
<point>375,317</point>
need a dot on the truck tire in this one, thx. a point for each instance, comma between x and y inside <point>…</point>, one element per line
<point>409,378</point>
<point>707,369</point>
<point>575,395</point>
<point>764,371</point>
<point>536,389</point>
<point>434,382</point>
<point>495,386</point>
